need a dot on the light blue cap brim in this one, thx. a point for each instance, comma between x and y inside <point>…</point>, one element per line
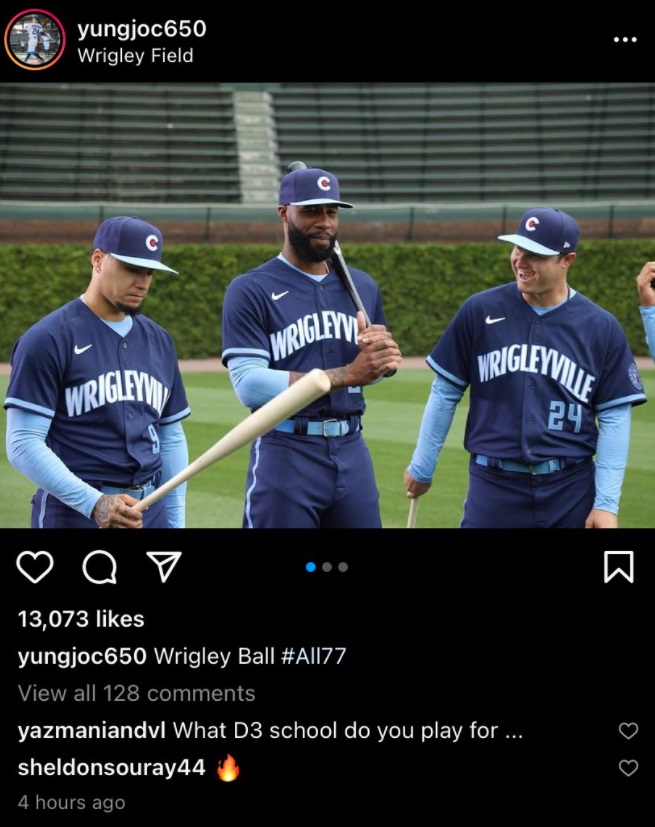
<point>317,201</point>
<point>529,244</point>
<point>146,263</point>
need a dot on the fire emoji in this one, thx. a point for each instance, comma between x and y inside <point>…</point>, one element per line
<point>228,770</point>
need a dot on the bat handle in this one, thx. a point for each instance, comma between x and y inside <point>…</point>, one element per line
<point>340,263</point>
<point>413,512</point>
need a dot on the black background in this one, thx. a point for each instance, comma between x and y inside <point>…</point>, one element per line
<point>498,631</point>
<point>279,43</point>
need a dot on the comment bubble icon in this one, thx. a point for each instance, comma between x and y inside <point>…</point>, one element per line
<point>98,571</point>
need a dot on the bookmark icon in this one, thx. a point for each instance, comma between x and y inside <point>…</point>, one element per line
<point>619,562</point>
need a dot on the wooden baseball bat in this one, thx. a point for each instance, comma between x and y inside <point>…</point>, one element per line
<point>297,396</point>
<point>413,512</point>
<point>341,267</point>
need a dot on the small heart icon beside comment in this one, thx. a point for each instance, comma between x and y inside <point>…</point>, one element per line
<point>628,767</point>
<point>33,568</point>
<point>628,730</point>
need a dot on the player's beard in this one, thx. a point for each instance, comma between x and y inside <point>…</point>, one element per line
<point>302,245</point>
<point>125,308</point>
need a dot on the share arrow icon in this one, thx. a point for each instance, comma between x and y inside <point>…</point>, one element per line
<point>165,562</point>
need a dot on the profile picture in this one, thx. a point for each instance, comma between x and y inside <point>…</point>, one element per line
<point>35,39</point>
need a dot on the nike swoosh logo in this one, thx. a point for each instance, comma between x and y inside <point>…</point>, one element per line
<point>489,320</point>
<point>276,296</point>
<point>79,350</point>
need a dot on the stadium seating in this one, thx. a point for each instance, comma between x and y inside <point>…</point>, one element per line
<point>473,142</point>
<point>390,143</point>
<point>123,142</point>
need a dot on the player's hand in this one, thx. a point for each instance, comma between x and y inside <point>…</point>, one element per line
<point>414,487</point>
<point>378,353</point>
<point>601,519</point>
<point>371,333</point>
<point>114,511</point>
<point>646,284</point>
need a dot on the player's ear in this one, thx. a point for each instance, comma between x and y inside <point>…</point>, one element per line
<point>96,258</point>
<point>282,211</point>
<point>568,259</point>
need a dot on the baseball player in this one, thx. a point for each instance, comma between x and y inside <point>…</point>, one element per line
<point>45,39</point>
<point>34,30</point>
<point>646,288</point>
<point>281,320</point>
<point>551,384</point>
<point>95,398</point>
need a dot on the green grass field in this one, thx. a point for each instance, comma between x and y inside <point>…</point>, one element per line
<point>394,410</point>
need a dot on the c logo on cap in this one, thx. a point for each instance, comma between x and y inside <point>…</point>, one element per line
<point>324,183</point>
<point>531,224</point>
<point>152,242</point>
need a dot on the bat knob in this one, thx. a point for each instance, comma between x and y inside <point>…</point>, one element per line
<point>294,165</point>
<point>391,372</point>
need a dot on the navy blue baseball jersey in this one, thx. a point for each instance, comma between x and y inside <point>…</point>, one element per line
<point>536,380</point>
<point>105,394</point>
<point>318,471</point>
<point>297,324</point>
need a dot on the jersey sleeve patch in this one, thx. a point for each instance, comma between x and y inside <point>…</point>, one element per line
<point>635,378</point>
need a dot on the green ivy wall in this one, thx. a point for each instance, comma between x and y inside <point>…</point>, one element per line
<point>422,285</point>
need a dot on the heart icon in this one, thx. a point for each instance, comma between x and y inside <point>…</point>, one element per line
<point>44,566</point>
<point>628,767</point>
<point>628,730</point>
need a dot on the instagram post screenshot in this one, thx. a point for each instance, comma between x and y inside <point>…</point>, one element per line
<point>393,290</point>
<point>199,680</point>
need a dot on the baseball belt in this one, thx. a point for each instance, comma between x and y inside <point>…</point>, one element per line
<point>326,427</point>
<point>548,466</point>
<point>139,492</point>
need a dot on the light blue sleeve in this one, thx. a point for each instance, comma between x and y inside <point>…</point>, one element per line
<point>612,456</point>
<point>28,453</point>
<point>648,318</point>
<point>174,457</point>
<point>435,424</point>
<point>254,383</point>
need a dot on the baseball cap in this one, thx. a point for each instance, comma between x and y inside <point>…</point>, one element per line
<point>546,231</point>
<point>305,187</point>
<point>132,240</point>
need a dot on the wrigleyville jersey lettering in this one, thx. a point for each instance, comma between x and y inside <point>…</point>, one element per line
<point>116,386</point>
<point>313,327</point>
<point>537,359</point>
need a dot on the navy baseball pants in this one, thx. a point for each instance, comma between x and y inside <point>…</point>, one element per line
<point>297,481</point>
<point>511,499</point>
